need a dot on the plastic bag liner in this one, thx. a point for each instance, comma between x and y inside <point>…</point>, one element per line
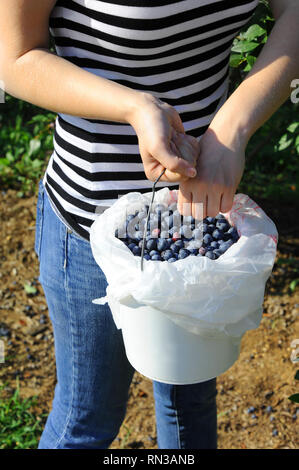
<point>211,298</point>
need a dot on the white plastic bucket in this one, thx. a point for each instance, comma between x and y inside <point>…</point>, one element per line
<point>163,351</point>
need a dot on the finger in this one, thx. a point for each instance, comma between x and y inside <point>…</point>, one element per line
<point>177,122</point>
<point>173,163</point>
<point>213,203</point>
<point>227,200</point>
<point>184,201</point>
<point>187,150</point>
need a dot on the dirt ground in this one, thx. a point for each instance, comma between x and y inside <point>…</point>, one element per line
<point>262,377</point>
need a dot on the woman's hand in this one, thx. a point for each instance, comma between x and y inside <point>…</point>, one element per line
<point>163,142</point>
<point>220,168</point>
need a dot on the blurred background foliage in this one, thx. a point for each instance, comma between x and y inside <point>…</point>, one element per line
<point>26,132</point>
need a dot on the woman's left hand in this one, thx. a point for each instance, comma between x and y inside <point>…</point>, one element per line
<point>220,167</point>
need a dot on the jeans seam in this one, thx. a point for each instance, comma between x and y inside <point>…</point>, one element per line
<point>68,418</point>
<point>41,219</point>
<point>177,416</point>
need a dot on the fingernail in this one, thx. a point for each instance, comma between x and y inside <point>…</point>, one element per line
<point>191,172</point>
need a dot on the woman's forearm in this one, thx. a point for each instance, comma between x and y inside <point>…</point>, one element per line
<point>267,85</point>
<point>56,84</point>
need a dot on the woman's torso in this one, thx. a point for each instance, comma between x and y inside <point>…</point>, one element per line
<point>176,50</point>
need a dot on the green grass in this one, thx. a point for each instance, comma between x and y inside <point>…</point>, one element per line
<point>20,428</point>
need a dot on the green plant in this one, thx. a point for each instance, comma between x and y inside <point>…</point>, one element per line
<point>20,428</point>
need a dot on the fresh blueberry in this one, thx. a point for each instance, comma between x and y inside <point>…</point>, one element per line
<point>131,246</point>
<point>210,228</point>
<point>207,239</point>
<point>151,244</point>
<point>215,244</point>
<point>217,234</point>
<point>185,231</point>
<point>171,260</point>
<point>167,254</point>
<point>146,256</point>
<point>234,233</point>
<point>205,228</point>
<point>211,220</point>
<point>179,243</point>
<point>202,251</point>
<point>183,253</point>
<point>156,258</point>
<point>136,251</point>
<point>193,251</point>
<point>209,248</point>
<point>210,255</point>
<point>174,248</point>
<point>223,226</point>
<point>153,253</point>
<point>162,244</point>
<point>217,252</point>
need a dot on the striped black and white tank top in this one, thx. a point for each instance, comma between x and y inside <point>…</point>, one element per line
<point>177,50</point>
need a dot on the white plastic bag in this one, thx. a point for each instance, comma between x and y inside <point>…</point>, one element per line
<point>207,297</point>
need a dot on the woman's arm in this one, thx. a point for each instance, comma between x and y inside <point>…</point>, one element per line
<point>222,147</point>
<point>31,72</point>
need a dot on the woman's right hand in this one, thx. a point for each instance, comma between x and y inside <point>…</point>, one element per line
<point>162,141</point>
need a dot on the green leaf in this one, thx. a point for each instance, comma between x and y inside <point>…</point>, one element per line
<point>254,31</point>
<point>293,285</point>
<point>30,289</point>
<point>284,142</point>
<point>294,397</point>
<point>292,127</point>
<point>244,46</point>
<point>235,60</point>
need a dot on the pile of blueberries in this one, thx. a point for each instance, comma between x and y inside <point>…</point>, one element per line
<point>170,236</point>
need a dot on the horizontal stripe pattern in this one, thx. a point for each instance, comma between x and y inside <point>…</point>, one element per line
<point>177,50</point>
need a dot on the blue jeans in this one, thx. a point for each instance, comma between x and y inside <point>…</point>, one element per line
<point>93,372</point>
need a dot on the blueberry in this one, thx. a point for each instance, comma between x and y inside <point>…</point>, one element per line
<point>220,217</point>
<point>146,256</point>
<point>209,248</point>
<point>202,251</point>
<point>210,228</point>
<point>138,235</point>
<point>185,231</point>
<point>214,244</point>
<point>217,234</point>
<point>167,254</point>
<point>217,252</point>
<point>224,226</point>
<point>151,244</point>
<point>153,253</point>
<point>192,251</point>
<point>162,244</point>
<point>171,260</point>
<point>207,239</point>
<point>131,246</point>
<point>136,251</point>
<point>156,258</point>
<point>234,233</point>
<point>183,253</point>
<point>210,255</point>
<point>204,227</point>
<point>174,248</point>
<point>211,220</point>
<point>179,243</point>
